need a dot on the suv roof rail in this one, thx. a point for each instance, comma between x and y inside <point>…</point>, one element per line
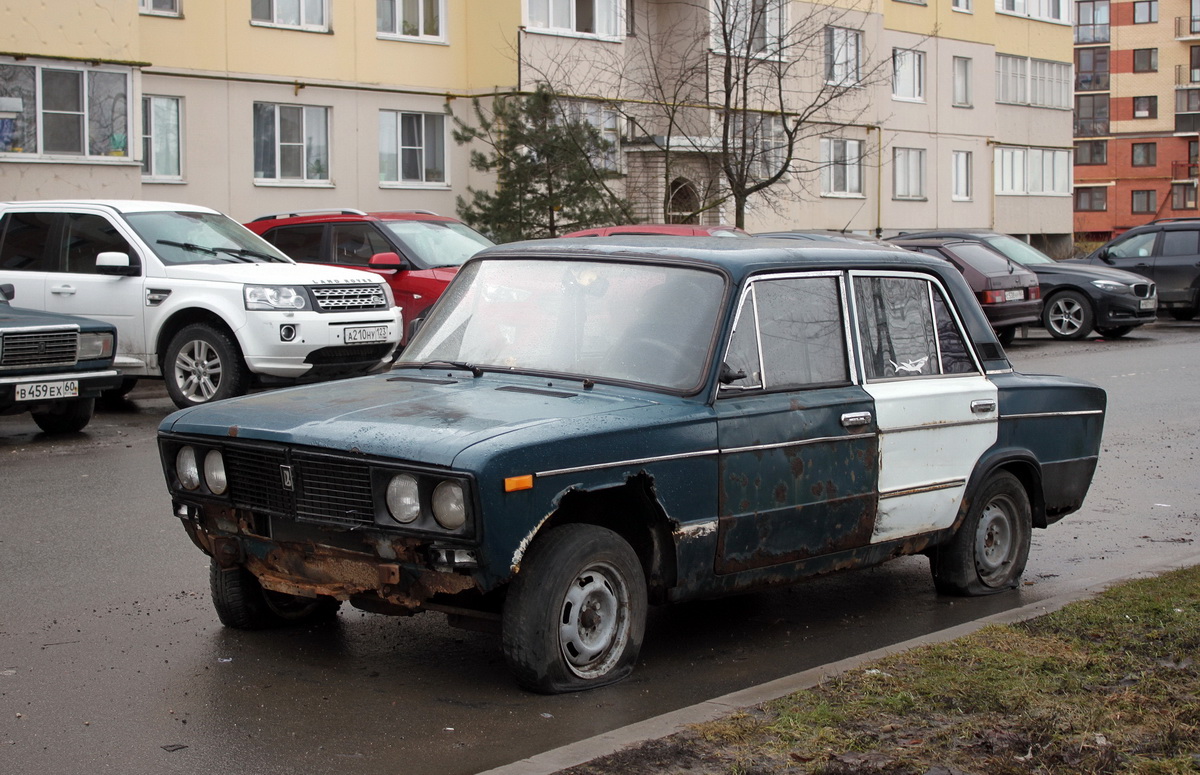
<point>294,213</point>
<point>1172,220</point>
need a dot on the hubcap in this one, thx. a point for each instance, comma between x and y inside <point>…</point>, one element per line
<point>1066,316</point>
<point>198,370</point>
<point>594,624</point>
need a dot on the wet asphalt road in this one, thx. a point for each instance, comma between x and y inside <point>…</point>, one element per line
<point>112,660</point>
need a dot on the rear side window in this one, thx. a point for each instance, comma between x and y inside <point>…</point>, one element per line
<point>86,237</point>
<point>1185,242</point>
<point>907,330</point>
<point>301,243</point>
<point>24,238</point>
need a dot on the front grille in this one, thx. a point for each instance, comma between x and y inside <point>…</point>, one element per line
<point>38,348</point>
<point>343,298</point>
<point>304,486</point>
<point>348,355</point>
<point>1143,290</point>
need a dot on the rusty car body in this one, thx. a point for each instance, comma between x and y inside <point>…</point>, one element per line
<point>582,428</point>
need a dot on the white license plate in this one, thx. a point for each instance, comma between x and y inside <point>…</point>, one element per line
<point>1017,295</point>
<point>41,391</point>
<point>365,334</point>
<point>1148,303</point>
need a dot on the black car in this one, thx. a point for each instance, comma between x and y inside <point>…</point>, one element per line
<point>1166,251</point>
<point>1079,298</point>
<point>53,366</point>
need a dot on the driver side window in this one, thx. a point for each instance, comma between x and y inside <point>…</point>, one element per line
<point>1137,246</point>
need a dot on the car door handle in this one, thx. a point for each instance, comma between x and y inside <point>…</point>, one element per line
<point>983,406</point>
<point>63,290</point>
<point>856,419</point>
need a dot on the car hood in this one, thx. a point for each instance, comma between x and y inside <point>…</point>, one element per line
<point>271,273</point>
<point>1087,272</point>
<point>420,416</point>
<point>12,317</point>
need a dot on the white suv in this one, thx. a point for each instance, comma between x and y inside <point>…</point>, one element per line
<point>197,298</point>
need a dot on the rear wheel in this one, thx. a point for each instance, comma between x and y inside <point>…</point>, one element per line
<point>576,613</point>
<point>990,549</point>
<point>243,604</point>
<point>1068,315</point>
<point>1116,332</point>
<point>66,417</point>
<point>1006,335</point>
<point>203,364</point>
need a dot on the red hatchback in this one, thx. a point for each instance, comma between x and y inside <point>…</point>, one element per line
<point>417,251</point>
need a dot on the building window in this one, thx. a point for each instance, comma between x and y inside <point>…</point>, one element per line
<point>1034,171</point>
<point>960,184</point>
<point>1145,12</point>
<point>1091,115</point>
<point>962,82</point>
<point>748,26</point>
<point>1183,196</point>
<point>300,14</point>
<point>70,111</point>
<point>159,7</point>
<point>1091,21</point>
<point>291,142</point>
<point>843,55</point>
<point>161,137</point>
<point>1050,10</point>
<point>1011,79</point>
<point>908,74</point>
<point>908,173</point>
<point>412,147</point>
<point>841,167</point>
<point>1145,107</point>
<point>1145,154</point>
<point>586,17</point>
<point>1145,60</point>
<point>607,122</point>
<point>421,19</point>
<point>961,5</point>
<point>1091,153</point>
<point>1187,101</point>
<point>1091,69</point>
<point>1143,202</point>
<point>1049,84</point>
<point>1091,199</point>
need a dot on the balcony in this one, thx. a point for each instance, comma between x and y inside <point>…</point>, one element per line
<point>1184,170</point>
<point>1187,28</point>
<point>1187,76</point>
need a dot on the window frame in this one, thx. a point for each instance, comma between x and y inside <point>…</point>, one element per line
<point>1098,76</point>
<point>146,8</point>
<point>1149,109</point>
<point>1099,21</point>
<point>1093,195</point>
<point>1145,12</point>
<point>302,8</point>
<point>962,71</point>
<point>396,32</point>
<point>1144,66</point>
<point>398,121</point>
<point>1148,203</point>
<point>88,113</point>
<point>149,172</point>
<point>849,164</point>
<point>962,186</point>
<point>1093,124</point>
<point>1149,154</point>
<point>1021,171</point>
<point>962,6</point>
<point>278,146</point>
<point>908,75</point>
<point>1183,196</point>
<point>839,69</point>
<point>540,22</point>
<point>1091,160</point>
<point>908,174</point>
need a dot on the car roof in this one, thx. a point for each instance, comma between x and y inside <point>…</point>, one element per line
<point>349,216</point>
<point>119,205</point>
<point>646,229</point>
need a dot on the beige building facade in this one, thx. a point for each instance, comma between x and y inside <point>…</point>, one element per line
<point>955,113</point>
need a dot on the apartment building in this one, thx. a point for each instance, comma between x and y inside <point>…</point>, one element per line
<point>1137,104</point>
<point>954,113</point>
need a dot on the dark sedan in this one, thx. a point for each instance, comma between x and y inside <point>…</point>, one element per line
<point>1080,298</point>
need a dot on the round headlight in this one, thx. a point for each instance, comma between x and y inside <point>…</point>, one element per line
<point>449,505</point>
<point>214,472</point>
<point>404,498</point>
<point>186,468</point>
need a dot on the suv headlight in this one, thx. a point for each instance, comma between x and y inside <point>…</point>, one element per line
<point>93,346</point>
<point>275,297</point>
<point>1112,286</point>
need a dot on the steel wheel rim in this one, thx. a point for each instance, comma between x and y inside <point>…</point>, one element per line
<point>593,625</point>
<point>1066,316</point>
<point>995,539</point>
<point>198,370</point>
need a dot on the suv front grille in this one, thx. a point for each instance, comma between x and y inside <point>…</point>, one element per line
<point>342,298</point>
<point>38,348</point>
<point>307,487</point>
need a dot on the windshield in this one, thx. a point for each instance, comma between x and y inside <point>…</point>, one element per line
<point>438,243</point>
<point>201,238</point>
<point>642,323</point>
<point>1021,252</point>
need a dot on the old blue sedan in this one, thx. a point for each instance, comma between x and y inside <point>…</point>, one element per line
<point>582,428</point>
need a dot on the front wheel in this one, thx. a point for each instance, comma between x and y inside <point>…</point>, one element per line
<point>1068,315</point>
<point>576,613</point>
<point>989,551</point>
<point>67,417</point>
<point>203,364</point>
<point>243,604</point>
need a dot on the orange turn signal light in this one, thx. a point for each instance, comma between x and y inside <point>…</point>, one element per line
<point>515,483</point>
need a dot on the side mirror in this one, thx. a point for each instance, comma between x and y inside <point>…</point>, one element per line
<point>1102,254</point>
<point>386,262</point>
<point>414,326</point>
<point>117,264</point>
<point>7,292</point>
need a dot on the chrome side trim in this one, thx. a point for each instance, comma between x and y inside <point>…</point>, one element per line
<point>801,443</point>
<point>937,425</point>
<point>1080,413</point>
<point>948,485</point>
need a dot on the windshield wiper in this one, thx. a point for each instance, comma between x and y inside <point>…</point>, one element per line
<point>247,253</point>
<point>188,246</point>
<point>475,370</point>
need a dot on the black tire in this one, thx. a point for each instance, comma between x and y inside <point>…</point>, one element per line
<point>1068,315</point>
<point>1116,332</point>
<point>989,551</point>
<point>122,390</point>
<point>243,604</point>
<point>1006,335</point>
<point>67,416</point>
<point>1183,313</point>
<point>203,364</point>
<point>575,615</point>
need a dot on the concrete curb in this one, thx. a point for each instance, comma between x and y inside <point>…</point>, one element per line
<point>667,724</point>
